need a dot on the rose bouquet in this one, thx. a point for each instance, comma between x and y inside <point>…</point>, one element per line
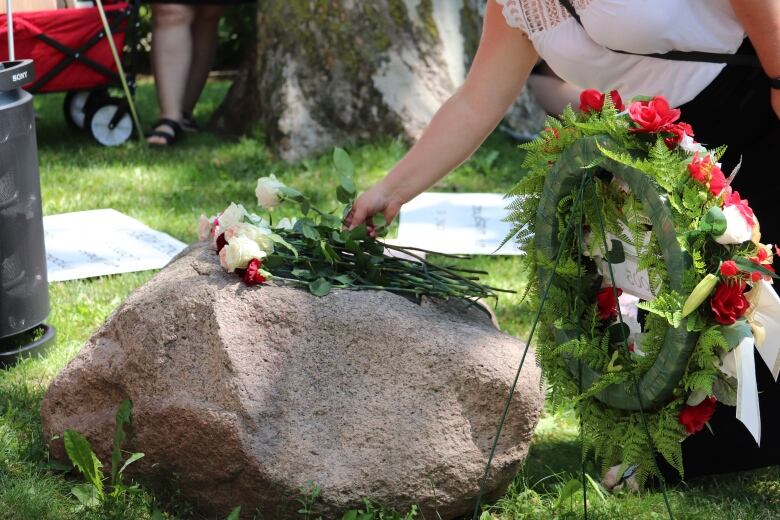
<point>314,251</point>
<point>653,277</point>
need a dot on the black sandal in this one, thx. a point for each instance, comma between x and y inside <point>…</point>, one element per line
<point>189,124</point>
<point>170,139</point>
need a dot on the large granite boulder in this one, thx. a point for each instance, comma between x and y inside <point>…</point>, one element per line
<point>243,395</point>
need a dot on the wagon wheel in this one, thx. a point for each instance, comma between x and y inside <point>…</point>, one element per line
<point>655,387</point>
<point>77,103</point>
<point>109,122</point>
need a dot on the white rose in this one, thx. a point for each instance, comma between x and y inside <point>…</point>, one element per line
<point>204,228</point>
<point>239,252</point>
<point>260,235</point>
<point>689,145</point>
<point>234,214</point>
<point>738,229</point>
<point>267,191</point>
<point>286,223</point>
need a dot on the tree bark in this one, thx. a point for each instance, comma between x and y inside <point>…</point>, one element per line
<point>328,72</point>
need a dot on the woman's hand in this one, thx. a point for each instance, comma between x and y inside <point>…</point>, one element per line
<point>377,199</point>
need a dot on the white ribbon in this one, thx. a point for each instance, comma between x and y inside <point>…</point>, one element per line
<point>764,319</point>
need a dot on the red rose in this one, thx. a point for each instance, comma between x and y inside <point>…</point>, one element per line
<point>705,171</point>
<point>678,131</point>
<point>694,417</point>
<point>717,181</point>
<point>252,274</point>
<point>221,242</point>
<point>607,303</point>
<point>729,268</point>
<point>729,303</point>
<point>591,99</point>
<point>653,116</point>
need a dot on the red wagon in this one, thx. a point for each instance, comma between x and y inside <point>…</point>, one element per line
<point>71,53</point>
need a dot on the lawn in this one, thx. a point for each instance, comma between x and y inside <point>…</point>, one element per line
<point>168,190</point>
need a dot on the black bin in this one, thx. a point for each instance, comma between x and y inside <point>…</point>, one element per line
<point>24,294</point>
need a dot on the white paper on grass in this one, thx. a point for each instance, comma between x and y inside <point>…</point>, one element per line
<point>456,223</point>
<point>102,242</point>
<point>747,389</point>
<point>765,311</point>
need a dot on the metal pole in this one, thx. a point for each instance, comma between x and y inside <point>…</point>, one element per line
<point>10,20</point>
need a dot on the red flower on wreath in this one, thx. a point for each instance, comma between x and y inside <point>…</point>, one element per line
<point>695,417</point>
<point>252,275</point>
<point>729,268</point>
<point>653,116</point>
<point>593,100</point>
<point>705,171</point>
<point>607,303</point>
<point>677,131</point>
<point>728,304</point>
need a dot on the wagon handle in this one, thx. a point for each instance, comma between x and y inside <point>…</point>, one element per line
<point>120,70</point>
<point>9,16</point>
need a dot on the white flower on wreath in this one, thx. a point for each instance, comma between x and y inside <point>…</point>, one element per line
<point>239,252</point>
<point>738,230</point>
<point>267,191</point>
<point>689,145</point>
<point>234,214</point>
<point>258,234</point>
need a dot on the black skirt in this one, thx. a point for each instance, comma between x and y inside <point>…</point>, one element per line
<point>735,110</point>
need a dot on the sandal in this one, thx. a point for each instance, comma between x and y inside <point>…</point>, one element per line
<point>169,138</point>
<point>189,124</point>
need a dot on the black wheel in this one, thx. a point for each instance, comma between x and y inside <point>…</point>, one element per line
<point>109,122</point>
<point>77,103</point>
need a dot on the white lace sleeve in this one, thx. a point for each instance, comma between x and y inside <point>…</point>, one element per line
<point>513,13</point>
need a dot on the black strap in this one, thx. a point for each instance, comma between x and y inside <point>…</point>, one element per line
<point>743,60</point>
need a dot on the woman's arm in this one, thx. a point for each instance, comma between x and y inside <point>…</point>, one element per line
<point>499,71</point>
<point>761,20</point>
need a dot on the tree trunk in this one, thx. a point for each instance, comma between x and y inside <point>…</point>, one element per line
<point>327,72</point>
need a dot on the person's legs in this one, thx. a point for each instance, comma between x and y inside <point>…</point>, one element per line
<point>204,46</point>
<point>172,50</point>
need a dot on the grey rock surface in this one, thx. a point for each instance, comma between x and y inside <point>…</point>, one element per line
<point>243,395</point>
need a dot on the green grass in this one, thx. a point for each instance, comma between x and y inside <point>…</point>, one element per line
<point>168,190</point>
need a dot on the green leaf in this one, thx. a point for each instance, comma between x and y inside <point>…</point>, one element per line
<point>330,254</point>
<point>234,514</point>
<point>331,221</point>
<point>122,417</point>
<point>359,233</point>
<point>157,515</point>
<point>344,196</point>
<point>292,193</point>
<point>308,230</point>
<point>343,163</point>
<point>343,278</point>
<point>352,514</point>
<point>616,255</point>
<point>134,457</point>
<point>83,458</point>
<point>736,333</point>
<point>279,240</point>
<point>568,490</point>
<point>714,222</point>
<point>751,267</point>
<point>319,287</point>
<point>87,495</point>
<point>303,274</point>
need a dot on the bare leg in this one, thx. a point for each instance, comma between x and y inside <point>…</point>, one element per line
<point>204,46</point>
<point>171,59</point>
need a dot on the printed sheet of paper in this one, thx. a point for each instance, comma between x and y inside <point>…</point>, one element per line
<point>456,223</point>
<point>102,242</point>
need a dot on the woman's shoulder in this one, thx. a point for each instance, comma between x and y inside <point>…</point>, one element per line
<point>533,16</point>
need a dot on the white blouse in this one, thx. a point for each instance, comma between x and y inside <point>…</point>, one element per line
<point>581,55</point>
